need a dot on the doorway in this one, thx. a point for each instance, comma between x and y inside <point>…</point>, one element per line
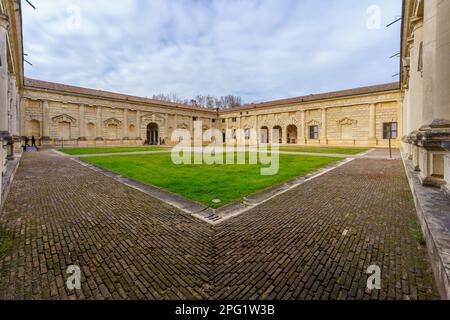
<point>152,134</point>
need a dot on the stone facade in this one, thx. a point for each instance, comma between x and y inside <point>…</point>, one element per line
<point>58,114</point>
<point>11,79</point>
<point>340,121</point>
<point>425,81</point>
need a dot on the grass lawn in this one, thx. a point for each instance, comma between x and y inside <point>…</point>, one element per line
<point>204,183</point>
<point>331,150</point>
<point>83,151</point>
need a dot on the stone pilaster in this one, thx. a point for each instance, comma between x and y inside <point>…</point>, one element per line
<point>302,132</point>
<point>431,139</point>
<point>82,123</point>
<point>45,122</point>
<point>373,124</point>
<point>4,78</point>
<point>99,125</point>
<point>429,60</point>
<point>284,135</point>
<point>23,106</point>
<point>324,129</point>
<point>441,109</point>
<point>125,124</point>
<point>138,125</point>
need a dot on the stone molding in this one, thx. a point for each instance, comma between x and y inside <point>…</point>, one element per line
<point>112,121</point>
<point>64,118</point>
<point>313,123</point>
<point>347,121</point>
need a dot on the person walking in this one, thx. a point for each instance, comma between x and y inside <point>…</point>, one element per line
<point>26,140</point>
<point>33,142</point>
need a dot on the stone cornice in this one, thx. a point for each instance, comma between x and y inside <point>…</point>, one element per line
<point>341,103</point>
<point>76,98</point>
<point>104,103</point>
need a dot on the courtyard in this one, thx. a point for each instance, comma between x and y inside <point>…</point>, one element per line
<point>212,185</point>
<point>315,241</point>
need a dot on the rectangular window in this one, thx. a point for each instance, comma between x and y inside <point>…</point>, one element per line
<point>314,132</point>
<point>390,130</point>
<point>234,120</point>
<point>223,120</point>
<point>195,118</point>
<point>213,120</point>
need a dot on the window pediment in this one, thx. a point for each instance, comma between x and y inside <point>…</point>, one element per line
<point>64,118</point>
<point>314,123</point>
<point>112,121</point>
<point>347,121</point>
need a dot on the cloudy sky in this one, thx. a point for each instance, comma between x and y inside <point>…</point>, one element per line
<point>257,49</point>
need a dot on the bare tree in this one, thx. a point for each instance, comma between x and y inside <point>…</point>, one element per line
<point>208,101</point>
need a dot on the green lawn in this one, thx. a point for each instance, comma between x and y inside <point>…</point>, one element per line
<point>83,151</point>
<point>204,183</point>
<point>330,150</point>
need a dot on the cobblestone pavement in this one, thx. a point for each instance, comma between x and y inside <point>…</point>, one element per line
<point>313,242</point>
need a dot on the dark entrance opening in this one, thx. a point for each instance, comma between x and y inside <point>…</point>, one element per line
<point>152,134</point>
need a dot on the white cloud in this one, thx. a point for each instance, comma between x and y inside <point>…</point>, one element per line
<point>260,49</point>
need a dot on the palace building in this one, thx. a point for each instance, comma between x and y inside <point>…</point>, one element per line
<point>56,114</point>
<point>414,114</point>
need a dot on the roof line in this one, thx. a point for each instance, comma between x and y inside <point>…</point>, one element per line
<point>53,86</point>
<point>323,96</point>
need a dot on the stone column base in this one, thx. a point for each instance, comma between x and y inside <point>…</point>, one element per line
<point>372,142</point>
<point>446,188</point>
<point>429,153</point>
<point>46,141</point>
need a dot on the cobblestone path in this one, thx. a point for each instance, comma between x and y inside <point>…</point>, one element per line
<point>313,242</point>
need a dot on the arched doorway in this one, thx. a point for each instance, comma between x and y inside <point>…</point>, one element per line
<point>279,131</point>
<point>152,134</point>
<point>264,137</point>
<point>292,134</point>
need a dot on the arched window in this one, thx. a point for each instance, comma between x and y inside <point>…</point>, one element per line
<point>278,131</point>
<point>292,134</point>
<point>132,132</point>
<point>90,132</point>
<point>264,135</point>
